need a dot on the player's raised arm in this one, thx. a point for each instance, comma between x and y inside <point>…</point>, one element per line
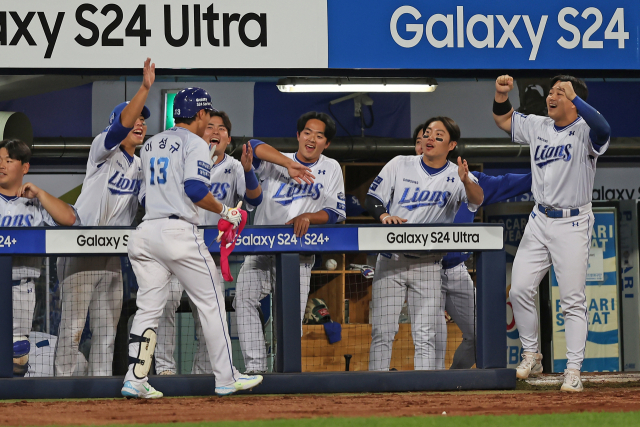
<point>61,212</point>
<point>133,110</point>
<point>475,195</point>
<point>253,193</point>
<point>502,109</point>
<point>264,152</point>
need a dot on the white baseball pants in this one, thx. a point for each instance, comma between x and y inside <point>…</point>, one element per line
<point>565,243</point>
<point>159,248</point>
<point>458,295</point>
<point>255,281</point>
<point>24,303</point>
<point>92,284</point>
<point>418,279</point>
<point>166,344</point>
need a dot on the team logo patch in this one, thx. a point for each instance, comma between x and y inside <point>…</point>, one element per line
<point>421,198</point>
<point>204,165</point>
<point>288,193</point>
<point>341,206</point>
<point>549,154</point>
<point>378,180</point>
<point>204,173</point>
<point>373,187</point>
<point>341,196</point>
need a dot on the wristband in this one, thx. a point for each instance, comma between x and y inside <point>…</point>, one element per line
<point>501,108</point>
<point>250,180</point>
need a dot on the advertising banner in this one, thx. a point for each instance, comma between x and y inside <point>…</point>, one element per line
<point>469,34</point>
<point>603,344</point>
<point>175,34</point>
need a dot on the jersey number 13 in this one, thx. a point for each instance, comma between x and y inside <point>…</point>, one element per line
<point>161,164</point>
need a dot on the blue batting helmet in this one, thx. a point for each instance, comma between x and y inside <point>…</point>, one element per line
<point>116,112</point>
<point>189,101</point>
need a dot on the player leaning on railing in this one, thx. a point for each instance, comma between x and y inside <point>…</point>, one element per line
<point>564,150</point>
<point>25,206</point>
<point>416,189</point>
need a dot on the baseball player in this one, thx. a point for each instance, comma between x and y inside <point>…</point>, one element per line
<point>176,171</point>
<point>231,181</point>
<point>109,197</point>
<point>25,206</point>
<point>565,147</point>
<point>291,202</point>
<point>457,287</point>
<point>417,190</point>
<point>417,138</point>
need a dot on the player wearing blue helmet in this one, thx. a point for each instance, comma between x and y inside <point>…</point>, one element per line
<point>176,172</point>
<point>109,197</point>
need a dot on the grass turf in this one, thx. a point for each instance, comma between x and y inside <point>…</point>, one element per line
<point>583,419</point>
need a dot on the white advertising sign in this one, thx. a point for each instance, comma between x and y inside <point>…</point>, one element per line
<point>174,34</point>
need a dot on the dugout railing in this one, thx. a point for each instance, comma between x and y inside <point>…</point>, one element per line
<point>486,240</point>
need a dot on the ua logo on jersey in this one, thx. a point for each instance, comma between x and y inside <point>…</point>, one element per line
<point>419,198</point>
<point>17,221</point>
<point>227,171</point>
<point>297,191</point>
<point>322,172</point>
<point>219,190</point>
<point>547,154</point>
<point>451,179</point>
<point>118,184</point>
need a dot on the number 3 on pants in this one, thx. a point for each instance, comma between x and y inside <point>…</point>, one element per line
<point>163,162</point>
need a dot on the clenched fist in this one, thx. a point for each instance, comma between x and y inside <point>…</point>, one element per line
<point>504,84</point>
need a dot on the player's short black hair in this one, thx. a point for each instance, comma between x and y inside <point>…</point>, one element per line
<point>579,86</point>
<point>225,119</point>
<point>18,150</point>
<point>189,120</point>
<point>329,124</point>
<point>416,131</point>
<point>449,124</point>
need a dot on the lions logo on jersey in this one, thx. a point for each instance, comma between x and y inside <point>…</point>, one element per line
<point>418,198</point>
<point>220,190</point>
<point>118,184</point>
<point>295,191</point>
<point>545,155</point>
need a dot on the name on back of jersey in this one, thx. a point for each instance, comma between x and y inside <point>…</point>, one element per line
<point>549,154</point>
<point>288,193</point>
<point>119,184</point>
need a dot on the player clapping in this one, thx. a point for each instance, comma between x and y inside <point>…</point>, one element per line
<point>417,190</point>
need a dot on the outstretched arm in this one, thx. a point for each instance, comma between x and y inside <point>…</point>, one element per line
<point>264,152</point>
<point>475,195</point>
<point>502,109</point>
<point>502,187</point>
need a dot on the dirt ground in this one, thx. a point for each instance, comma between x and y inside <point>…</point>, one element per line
<point>251,407</point>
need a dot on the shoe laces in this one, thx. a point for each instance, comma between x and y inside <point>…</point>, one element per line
<point>528,360</point>
<point>571,377</point>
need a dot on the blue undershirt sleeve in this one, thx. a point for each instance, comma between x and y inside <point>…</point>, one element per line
<point>250,180</point>
<point>256,161</point>
<point>196,190</point>
<point>600,129</point>
<point>333,217</point>
<point>116,134</point>
<point>502,187</point>
<point>255,201</point>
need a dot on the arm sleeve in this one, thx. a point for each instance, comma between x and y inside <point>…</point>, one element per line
<point>600,131</point>
<point>256,161</point>
<point>106,143</point>
<point>196,165</point>
<point>334,197</point>
<point>374,206</point>
<point>241,188</point>
<point>196,190</point>
<point>502,187</point>
<point>521,126</point>
<point>382,186</point>
<point>333,217</point>
<point>48,219</point>
<point>470,206</point>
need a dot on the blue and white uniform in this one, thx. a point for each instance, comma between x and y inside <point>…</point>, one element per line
<point>228,186</point>
<point>23,212</point>
<point>413,191</point>
<point>563,163</point>
<point>176,170</point>
<point>458,292</point>
<point>109,197</point>
<point>283,200</point>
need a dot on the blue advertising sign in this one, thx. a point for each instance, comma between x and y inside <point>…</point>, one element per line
<point>468,34</point>
<point>22,241</point>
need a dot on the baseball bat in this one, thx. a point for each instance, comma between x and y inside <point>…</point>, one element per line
<point>347,360</point>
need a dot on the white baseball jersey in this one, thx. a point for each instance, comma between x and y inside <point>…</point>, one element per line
<point>284,199</point>
<point>169,159</point>
<point>410,191</point>
<point>563,160</point>
<point>23,212</point>
<point>227,186</point>
<point>111,188</point>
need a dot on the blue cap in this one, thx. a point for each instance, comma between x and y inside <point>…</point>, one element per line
<point>354,208</point>
<point>116,112</point>
<point>189,101</point>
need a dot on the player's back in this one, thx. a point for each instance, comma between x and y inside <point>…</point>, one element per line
<point>169,159</point>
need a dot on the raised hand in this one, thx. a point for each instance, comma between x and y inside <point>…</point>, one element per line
<point>300,173</point>
<point>28,191</point>
<point>463,170</point>
<point>504,84</point>
<point>148,73</point>
<point>567,88</point>
<point>247,157</point>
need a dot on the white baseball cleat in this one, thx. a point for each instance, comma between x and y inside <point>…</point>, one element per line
<point>530,365</point>
<point>244,382</point>
<point>140,391</point>
<point>572,381</point>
